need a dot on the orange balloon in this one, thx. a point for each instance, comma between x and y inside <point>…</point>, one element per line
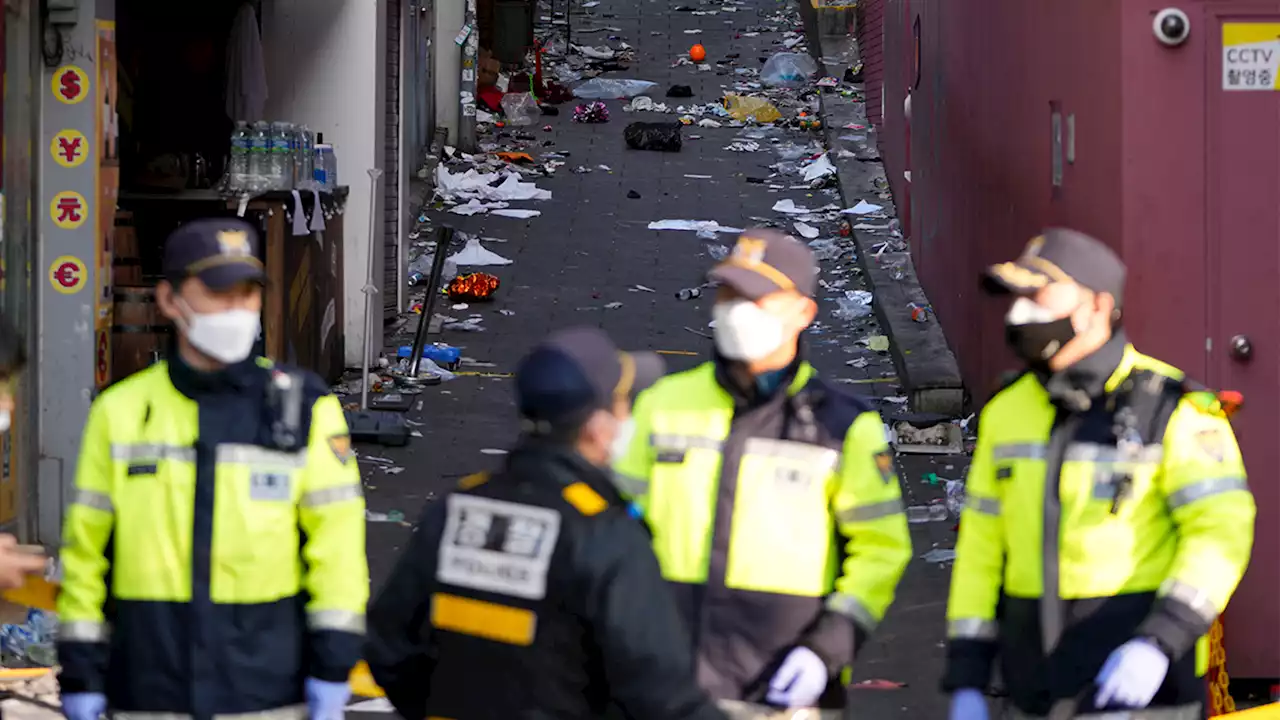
<point>697,53</point>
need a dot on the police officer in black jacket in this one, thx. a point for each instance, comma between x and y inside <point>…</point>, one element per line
<point>534,593</point>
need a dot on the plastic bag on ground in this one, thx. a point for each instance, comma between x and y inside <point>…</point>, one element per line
<point>519,108</point>
<point>473,254</point>
<point>663,137</point>
<point>743,108</point>
<point>612,89</point>
<point>788,70</point>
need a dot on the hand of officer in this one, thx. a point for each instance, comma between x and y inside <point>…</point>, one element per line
<point>327,700</point>
<point>1132,675</point>
<point>84,706</point>
<point>968,704</point>
<point>16,563</point>
<point>800,680</point>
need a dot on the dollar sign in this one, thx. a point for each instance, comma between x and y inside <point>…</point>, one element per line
<point>70,85</point>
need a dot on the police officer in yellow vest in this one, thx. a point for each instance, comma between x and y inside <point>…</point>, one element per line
<point>213,553</point>
<point>1107,521</point>
<point>776,513</point>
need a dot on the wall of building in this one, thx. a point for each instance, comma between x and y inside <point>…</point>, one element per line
<point>392,187</point>
<point>980,144</point>
<point>326,66</point>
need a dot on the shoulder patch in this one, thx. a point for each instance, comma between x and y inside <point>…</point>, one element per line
<point>341,447</point>
<point>473,480</point>
<point>584,499</point>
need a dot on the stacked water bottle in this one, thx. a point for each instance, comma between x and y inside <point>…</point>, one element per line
<point>280,156</point>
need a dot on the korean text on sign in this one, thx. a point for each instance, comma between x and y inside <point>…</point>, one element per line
<point>1251,56</point>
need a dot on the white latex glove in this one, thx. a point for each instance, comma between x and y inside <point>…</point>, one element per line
<point>800,680</point>
<point>1131,676</point>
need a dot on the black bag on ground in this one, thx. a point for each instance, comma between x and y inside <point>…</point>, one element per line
<point>663,137</point>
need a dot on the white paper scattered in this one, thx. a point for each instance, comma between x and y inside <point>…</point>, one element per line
<point>808,232</point>
<point>790,207</point>
<point>695,225</point>
<point>819,168</point>
<point>862,208</point>
<point>475,185</point>
<point>518,213</point>
<point>475,255</point>
<point>476,207</point>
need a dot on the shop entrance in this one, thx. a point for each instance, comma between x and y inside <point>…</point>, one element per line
<point>194,141</point>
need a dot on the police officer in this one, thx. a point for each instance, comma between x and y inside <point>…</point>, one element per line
<point>772,496</point>
<point>16,562</point>
<point>1107,519</point>
<point>213,552</point>
<point>533,593</point>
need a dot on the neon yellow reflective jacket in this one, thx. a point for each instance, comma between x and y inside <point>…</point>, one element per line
<point>778,521</point>
<point>1093,517</point>
<point>207,570</point>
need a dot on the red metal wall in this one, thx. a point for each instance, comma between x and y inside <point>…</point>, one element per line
<point>1149,123</point>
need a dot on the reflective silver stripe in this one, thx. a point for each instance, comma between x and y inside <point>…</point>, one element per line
<point>671,441</point>
<point>292,712</point>
<point>852,608</point>
<point>630,485</point>
<point>972,629</point>
<point>260,456</point>
<point>1193,597</point>
<point>92,498</point>
<point>816,458</point>
<point>151,451</point>
<point>986,506</point>
<point>1096,453</point>
<point>1182,712</point>
<point>86,631</point>
<point>338,493</point>
<point>1208,487</point>
<point>874,511</point>
<point>336,620</point>
<point>1018,451</point>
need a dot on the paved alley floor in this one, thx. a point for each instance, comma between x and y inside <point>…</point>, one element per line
<point>589,258</point>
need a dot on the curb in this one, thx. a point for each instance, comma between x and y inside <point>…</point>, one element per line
<point>925,364</point>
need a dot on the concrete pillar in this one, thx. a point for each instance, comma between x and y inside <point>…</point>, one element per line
<point>450,17</point>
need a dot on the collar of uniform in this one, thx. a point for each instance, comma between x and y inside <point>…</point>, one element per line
<point>1091,377</point>
<point>795,376</point>
<point>535,455</point>
<point>194,383</point>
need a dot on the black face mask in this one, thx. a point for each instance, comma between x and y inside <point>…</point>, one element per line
<point>1037,343</point>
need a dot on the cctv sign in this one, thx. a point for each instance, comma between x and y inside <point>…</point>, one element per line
<point>1251,56</point>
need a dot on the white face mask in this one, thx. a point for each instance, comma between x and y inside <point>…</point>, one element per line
<point>1025,311</point>
<point>5,420</point>
<point>745,332</point>
<point>226,336</point>
<point>626,430</point>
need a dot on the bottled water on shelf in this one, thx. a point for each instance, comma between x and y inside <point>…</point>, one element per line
<point>259,157</point>
<point>281,158</point>
<point>238,167</point>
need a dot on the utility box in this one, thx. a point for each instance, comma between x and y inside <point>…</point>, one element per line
<point>1151,124</point>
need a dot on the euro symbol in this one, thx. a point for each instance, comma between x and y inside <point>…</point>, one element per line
<point>67,275</point>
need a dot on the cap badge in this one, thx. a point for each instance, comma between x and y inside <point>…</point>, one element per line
<point>749,250</point>
<point>1019,276</point>
<point>234,243</point>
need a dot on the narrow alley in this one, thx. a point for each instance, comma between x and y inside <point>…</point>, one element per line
<point>591,258</point>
